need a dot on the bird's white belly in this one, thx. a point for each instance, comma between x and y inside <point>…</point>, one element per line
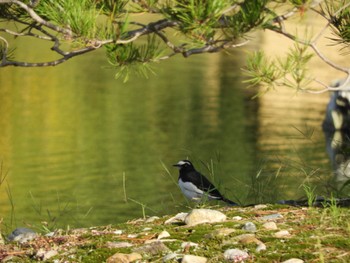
<point>190,191</point>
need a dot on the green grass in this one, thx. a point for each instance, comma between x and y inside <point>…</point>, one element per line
<point>314,237</point>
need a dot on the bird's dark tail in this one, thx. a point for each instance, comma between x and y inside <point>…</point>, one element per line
<point>228,201</point>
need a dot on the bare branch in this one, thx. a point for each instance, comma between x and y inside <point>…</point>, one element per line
<point>328,61</point>
<point>147,29</point>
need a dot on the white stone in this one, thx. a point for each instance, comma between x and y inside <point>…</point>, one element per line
<point>260,206</point>
<point>200,216</point>
<point>45,255</point>
<point>282,234</point>
<point>163,234</point>
<point>270,226</point>
<point>118,232</point>
<point>260,247</point>
<point>180,217</point>
<point>151,219</point>
<point>293,260</point>
<point>118,244</point>
<point>193,259</point>
<point>237,218</point>
<point>235,255</point>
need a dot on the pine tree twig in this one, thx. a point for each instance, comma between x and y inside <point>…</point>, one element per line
<point>36,17</point>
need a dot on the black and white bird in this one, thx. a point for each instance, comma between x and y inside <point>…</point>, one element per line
<point>195,186</point>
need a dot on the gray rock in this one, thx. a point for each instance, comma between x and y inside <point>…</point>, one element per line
<point>272,217</point>
<point>118,244</point>
<point>193,259</point>
<point>249,226</point>
<point>200,216</point>
<point>235,255</point>
<point>22,235</point>
<point>153,248</point>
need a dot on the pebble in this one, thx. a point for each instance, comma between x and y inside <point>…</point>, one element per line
<point>282,234</point>
<point>153,248</point>
<point>22,235</point>
<point>180,217</point>
<point>163,234</point>
<point>222,232</point>
<point>260,206</point>
<point>151,219</point>
<point>163,240</point>
<point>124,258</point>
<point>260,247</point>
<point>272,217</point>
<point>200,216</point>
<point>118,244</point>
<point>118,232</point>
<point>249,226</point>
<point>44,255</point>
<point>293,260</point>
<point>270,226</point>
<point>170,257</point>
<point>237,218</point>
<point>193,259</point>
<point>235,255</point>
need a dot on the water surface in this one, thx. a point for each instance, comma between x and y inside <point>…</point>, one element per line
<point>80,148</point>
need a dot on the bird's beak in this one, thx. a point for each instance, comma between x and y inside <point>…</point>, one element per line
<point>177,165</point>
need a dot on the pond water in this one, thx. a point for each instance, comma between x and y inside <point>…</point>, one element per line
<point>80,148</point>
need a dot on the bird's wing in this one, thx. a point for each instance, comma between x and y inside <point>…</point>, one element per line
<point>204,184</point>
<point>191,188</point>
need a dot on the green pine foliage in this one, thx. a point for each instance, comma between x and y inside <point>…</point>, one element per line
<point>184,27</point>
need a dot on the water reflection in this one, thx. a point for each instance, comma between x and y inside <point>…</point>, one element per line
<point>336,126</point>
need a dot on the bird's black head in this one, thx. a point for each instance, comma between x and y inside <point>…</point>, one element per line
<point>184,165</point>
